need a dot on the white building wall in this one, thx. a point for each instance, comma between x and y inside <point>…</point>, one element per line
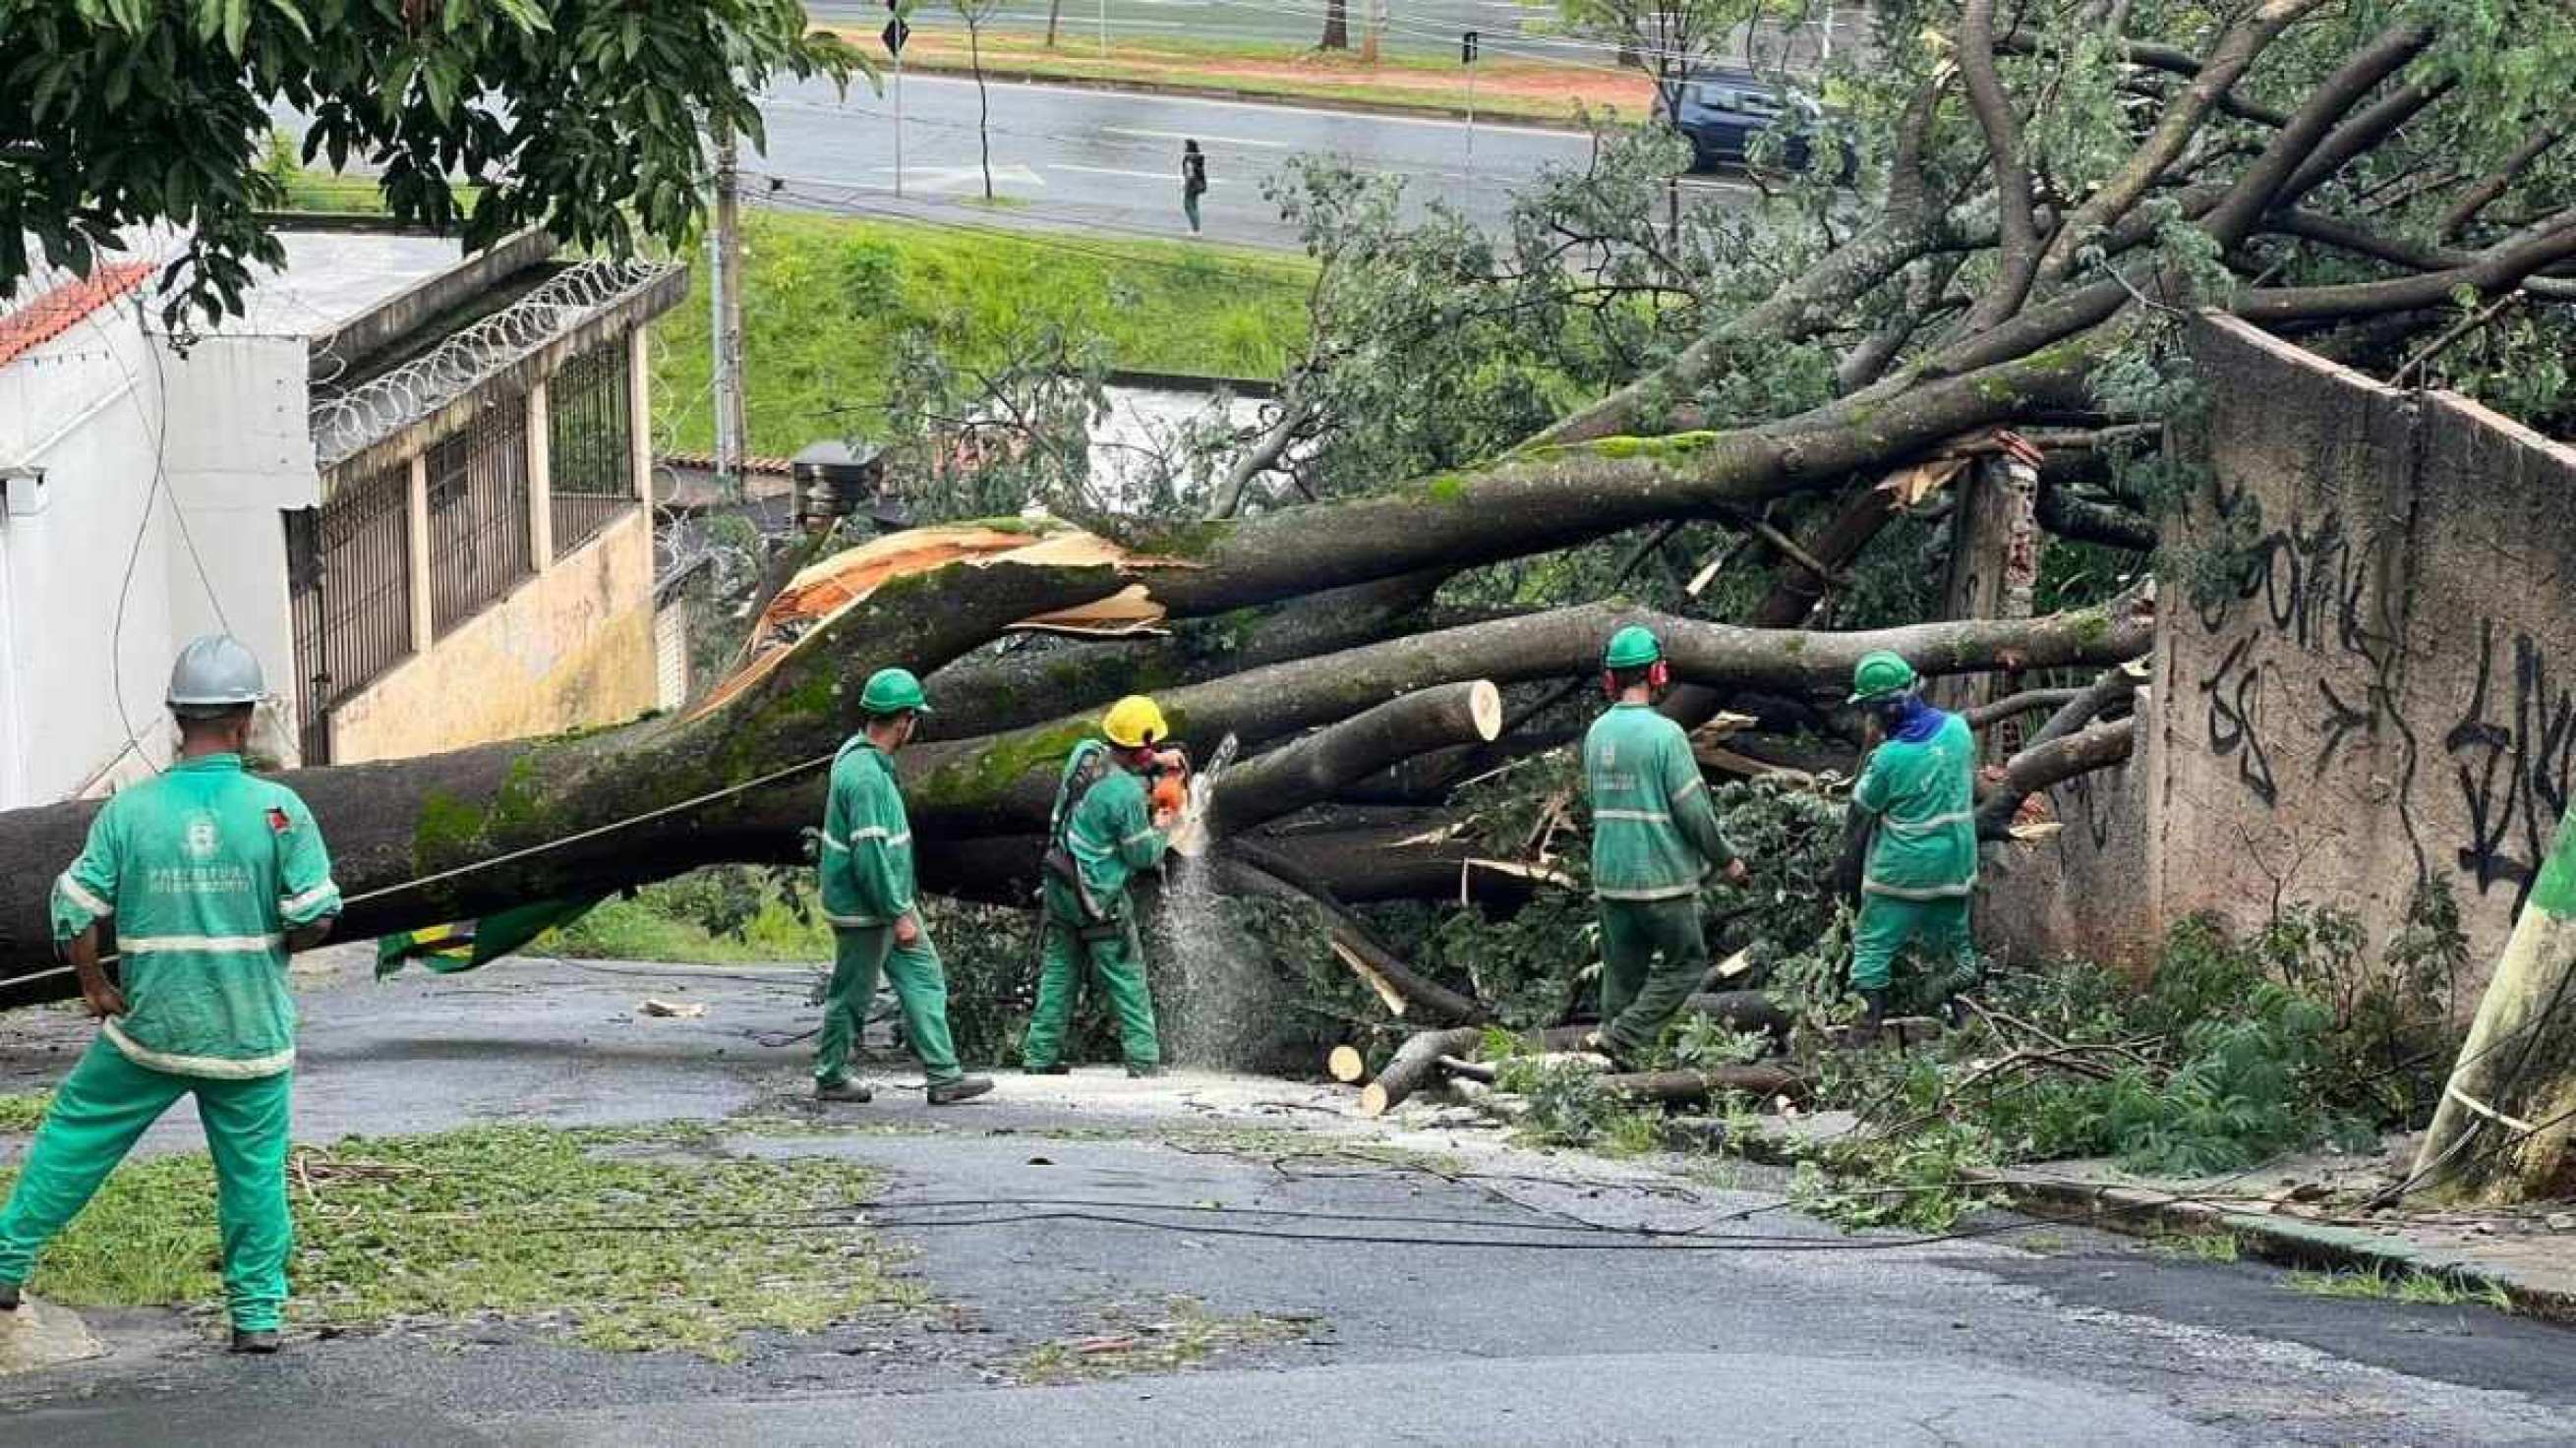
<point>240,455</point>
<point>83,407</point>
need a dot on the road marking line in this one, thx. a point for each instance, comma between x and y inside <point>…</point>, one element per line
<point>1191,136</point>
<point>1115,171</point>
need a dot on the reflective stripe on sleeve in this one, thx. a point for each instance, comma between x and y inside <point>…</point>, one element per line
<point>327,890</point>
<point>81,897</point>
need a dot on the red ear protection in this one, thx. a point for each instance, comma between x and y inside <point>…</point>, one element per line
<point>1660,675</point>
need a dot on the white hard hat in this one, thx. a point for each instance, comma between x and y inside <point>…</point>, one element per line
<point>216,672</point>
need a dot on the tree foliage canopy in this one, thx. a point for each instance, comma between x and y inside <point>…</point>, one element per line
<point>580,115</point>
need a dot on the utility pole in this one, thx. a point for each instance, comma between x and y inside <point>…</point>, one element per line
<point>895,34</point>
<point>1104,29</point>
<point>724,246</point>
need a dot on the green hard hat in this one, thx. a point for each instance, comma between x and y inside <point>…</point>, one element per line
<point>1631,648</point>
<point>1880,674</point>
<point>893,691</point>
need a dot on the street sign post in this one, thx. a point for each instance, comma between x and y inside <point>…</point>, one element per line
<point>1467,58</point>
<point>894,35</point>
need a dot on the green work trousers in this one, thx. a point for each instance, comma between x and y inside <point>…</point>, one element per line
<point>920,991</point>
<point>1887,922</point>
<point>102,1107</point>
<point>1652,959</point>
<point>1117,960</point>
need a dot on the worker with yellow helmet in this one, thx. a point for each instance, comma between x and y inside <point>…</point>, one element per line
<point>1114,808</point>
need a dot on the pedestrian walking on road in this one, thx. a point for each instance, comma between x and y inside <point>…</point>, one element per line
<point>869,902</point>
<point>210,877</point>
<point>1194,182</point>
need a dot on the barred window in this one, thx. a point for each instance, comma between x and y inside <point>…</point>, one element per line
<point>591,442</point>
<point>479,543</point>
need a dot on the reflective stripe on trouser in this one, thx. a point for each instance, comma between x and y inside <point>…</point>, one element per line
<point>1652,959</point>
<point>920,991</point>
<point>1886,923</point>
<point>102,1107</point>
<point>1117,961</point>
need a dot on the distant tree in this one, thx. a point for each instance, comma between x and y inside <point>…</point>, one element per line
<point>976,13</point>
<point>1337,26</point>
<point>580,115</point>
<point>1668,39</point>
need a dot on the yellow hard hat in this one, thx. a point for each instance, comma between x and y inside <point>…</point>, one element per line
<point>1134,722</point>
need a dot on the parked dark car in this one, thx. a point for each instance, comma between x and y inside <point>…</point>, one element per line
<point>1723,110</point>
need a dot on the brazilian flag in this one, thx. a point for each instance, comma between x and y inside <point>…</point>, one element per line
<point>466,944</point>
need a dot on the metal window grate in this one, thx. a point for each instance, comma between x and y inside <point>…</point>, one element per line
<point>349,592</point>
<point>591,442</point>
<point>479,544</point>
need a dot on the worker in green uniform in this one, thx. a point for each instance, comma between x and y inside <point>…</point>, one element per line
<point>1655,836</point>
<point>868,901</point>
<point>1105,827</point>
<point>1920,787</point>
<point>210,877</point>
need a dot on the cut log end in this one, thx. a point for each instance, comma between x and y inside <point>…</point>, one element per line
<point>1485,706</point>
<point>1373,1102</point>
<point>1346,1064</point>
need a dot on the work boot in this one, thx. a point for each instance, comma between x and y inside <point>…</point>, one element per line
<point>1873,1018</point>
<point>1058,1069</point>
<point>854,1092</point>
<point>964,1088</point>
<point>255,1341</point>
<point>1145,1072</point>
<point>8,1296</point>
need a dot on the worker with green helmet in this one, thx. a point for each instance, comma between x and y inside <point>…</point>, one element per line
<point>1655,836</point>
<point>208,877</point>
<point>1919,787</point>
<point>1106,825</point>
<point>868,900</point>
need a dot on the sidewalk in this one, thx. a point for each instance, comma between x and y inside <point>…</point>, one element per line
<point>1516,91</point>
<point>2303,1211</point>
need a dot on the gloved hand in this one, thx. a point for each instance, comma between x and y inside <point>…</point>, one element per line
<point>1170,794</point>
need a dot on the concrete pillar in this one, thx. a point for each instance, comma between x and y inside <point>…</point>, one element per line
<point>541,482</point>
<point>423,612</point>
<point>639,410</point>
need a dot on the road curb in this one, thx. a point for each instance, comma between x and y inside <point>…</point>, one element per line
<point>2147,1212</point>
<point>1351,105</point>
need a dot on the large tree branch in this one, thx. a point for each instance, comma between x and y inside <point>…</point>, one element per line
<point>2492,187</point>
<point>2086,521</point>
<point>2362,134</point>
<point>2183,118</point>
<point>2234,218</point>
<point>2501,270</point>
<point>2018,255</point>
<point>2044,766</point>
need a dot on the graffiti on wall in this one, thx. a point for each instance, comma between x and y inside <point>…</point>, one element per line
<point>2313,593</point>
<point>2511,748</point>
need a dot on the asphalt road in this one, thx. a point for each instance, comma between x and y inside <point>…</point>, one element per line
<point>1110,162</point>
<point>1765,1327</point>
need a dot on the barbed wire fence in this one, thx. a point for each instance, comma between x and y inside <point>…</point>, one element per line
<point>345,423</point>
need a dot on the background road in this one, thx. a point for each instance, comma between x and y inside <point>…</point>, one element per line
<point>1110,161</point>
<point>1772,1329</point>
<point>1507,29</point>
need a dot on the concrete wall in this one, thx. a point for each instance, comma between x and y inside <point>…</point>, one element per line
<point>573,646</point>
<point>2382,695</point>
<point>2379,690</point>
<point>84,408</point>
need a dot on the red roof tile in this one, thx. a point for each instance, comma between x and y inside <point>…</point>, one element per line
<point>52,313</point>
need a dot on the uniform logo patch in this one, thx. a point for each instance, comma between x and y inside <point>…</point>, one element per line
<point>278,823</point>
<point>1609,755</point>
<point>203,841</point>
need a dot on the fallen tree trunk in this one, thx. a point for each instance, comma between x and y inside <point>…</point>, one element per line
<point>1308,771</point>
<point>1691,1088</point>
<point>1416,1064</point>
<point>1416,997</point>
<point>2049,765</point>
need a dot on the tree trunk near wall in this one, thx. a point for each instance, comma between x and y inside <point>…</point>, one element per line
<point>2503,1129</point>
<point>1994,571</point>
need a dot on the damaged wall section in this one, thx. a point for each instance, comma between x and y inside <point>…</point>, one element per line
<point>2365,672</point>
